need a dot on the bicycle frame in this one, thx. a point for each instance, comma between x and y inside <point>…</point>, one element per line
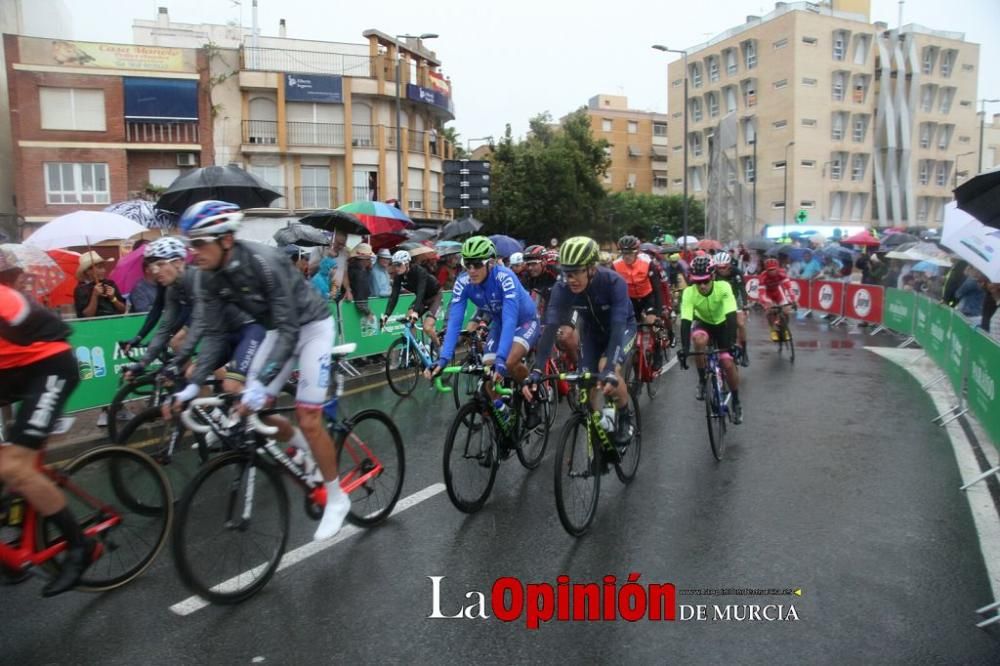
<point>416,344</point>
<point>713,368</point>
<point>585,382</point>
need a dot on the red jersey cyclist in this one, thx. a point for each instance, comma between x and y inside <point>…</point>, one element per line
<point>775,290</point>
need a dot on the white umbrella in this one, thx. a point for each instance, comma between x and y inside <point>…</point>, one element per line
<point>686,240</point>
<point>973,241</point>
<point>83,228</point>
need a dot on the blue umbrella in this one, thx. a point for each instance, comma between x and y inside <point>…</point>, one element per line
<point>505,245</point>
<point>925,267</point>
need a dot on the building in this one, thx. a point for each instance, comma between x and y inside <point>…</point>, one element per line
<point>814,108</point>
<point>638,144</point>
<point>97,123</point>
<point>317,120</point>
<point>991,143</point>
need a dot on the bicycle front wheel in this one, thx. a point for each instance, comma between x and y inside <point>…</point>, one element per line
<point>577,476</point>
<point>717,421</point>
<point>531,448</point>
<point>232,528</point>
<point>138,393</point>
<point>122,499</point>
<point>402,367</point>
<point>629,453</point>
<point>169,443</point>
<point>470,458</point>
<point>372,465</point>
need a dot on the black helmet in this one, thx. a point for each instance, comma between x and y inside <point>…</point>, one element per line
<point>628,244</point>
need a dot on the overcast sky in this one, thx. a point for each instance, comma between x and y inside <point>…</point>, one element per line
<point>511,59</point>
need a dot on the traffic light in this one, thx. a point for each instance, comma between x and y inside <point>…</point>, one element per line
<point>466,184</point>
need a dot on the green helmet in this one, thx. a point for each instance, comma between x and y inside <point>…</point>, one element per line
<point>478,248</point>
<point>578,252</point>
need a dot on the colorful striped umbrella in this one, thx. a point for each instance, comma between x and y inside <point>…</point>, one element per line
<point>378,218</point>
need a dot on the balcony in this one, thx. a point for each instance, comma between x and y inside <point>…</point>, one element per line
<point>434,204</point>
<point>314,62</point>
<point>416,141</point>
<point>281,203</point>
<point>260,132</point>
<point>365,136</point>
<point>316,134</point>
<point>308,198</point>
<point>142,131</point>
<point>364,194</point>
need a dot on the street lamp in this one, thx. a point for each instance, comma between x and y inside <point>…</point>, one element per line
<point>982,125</point>
<point>784,211</point>
<point>399,131</point>
<point>661,47</point>
<point>971,152</point>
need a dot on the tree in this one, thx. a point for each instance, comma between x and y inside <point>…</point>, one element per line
<point>648,216</point>
<point>451,134</point>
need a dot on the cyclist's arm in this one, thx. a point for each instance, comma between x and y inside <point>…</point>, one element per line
<point>654,280</point>
<point>508,316</point>
<point>278,290</point>
<point>555,313</point>
<point>171,312</point>
<point>456,313</point>
<point>153,315</point>
<point>619,320</point>
<point>687,316</point>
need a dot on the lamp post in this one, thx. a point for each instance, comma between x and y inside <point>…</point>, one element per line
<point>971,152</point>
<point>784,210</point>
<point>399,131</point>
<point>982,127</point>
<point>661,47</point>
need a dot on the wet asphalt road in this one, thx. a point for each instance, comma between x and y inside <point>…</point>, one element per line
<point>836,484</point>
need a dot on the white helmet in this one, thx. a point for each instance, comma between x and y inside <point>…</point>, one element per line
<point>722,259</point>
<point>401,257</point>
<point>516,259</point>
<point>167,247</point>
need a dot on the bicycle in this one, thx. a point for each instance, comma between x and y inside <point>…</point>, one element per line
<point>408,356</point>
<point>121,499</point>
<point>777,318</point>
<point>244,488</point>
<point>717,401</point>
<point>650,339</point>
<point>580,462</point>
<point>464,385</point>
<point>492,434</point>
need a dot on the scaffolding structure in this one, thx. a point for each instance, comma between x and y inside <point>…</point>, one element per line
<point>729,206</point>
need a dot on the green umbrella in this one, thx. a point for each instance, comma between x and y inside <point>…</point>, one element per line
<point>666,239</point>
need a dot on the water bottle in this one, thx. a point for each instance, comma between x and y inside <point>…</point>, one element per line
<point>608,418</point>
<point>502,412</point>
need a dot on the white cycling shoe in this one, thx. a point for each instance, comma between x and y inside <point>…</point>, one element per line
<point>338,505</point>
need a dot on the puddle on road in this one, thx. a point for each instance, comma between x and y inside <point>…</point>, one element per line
<point>813,345</point>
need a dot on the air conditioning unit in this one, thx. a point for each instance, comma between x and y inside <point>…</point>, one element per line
<point>187,159</point>
<point>629,185</point>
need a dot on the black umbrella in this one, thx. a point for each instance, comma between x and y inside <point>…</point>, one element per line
<point>980,197</point>
<point>228,183</point>
<point>460,227</point>
<point>894,240</point>
<point>335,220</point>
<point>421,233</point>
<point>303,235</point>
<point>759,244</point>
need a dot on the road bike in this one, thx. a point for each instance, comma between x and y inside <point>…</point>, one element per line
<point>486,431</point>
<point>408,356</point>
<point>122,501</point>
<point>464,384</point>
<point>718,401</point>
<point>233,519</point>
<point>777,318</point>
<point>586,452</point>
<point>652,351</point>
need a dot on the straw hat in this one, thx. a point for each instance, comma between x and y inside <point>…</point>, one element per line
<point>87,261</point>
<point>361,250</point>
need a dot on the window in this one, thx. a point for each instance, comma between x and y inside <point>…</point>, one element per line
<point>749,87</point>
<point>679,148</point>
<point>713,68</point>
<point>72,109</point>
<point>633,127</point>
<point>947,97</point>
<point>695,75</point>
<point>677,83</point>
<point>262,127</point>
<point>659,129</point>
<point>274,175</point>
<point>948,62</point>
<point>780,44</point>
<point>839,83</point>
<point>749,133</point>
<point>860,49</point>
<point>315,191</point>
<point>729,93</point>
<point>942,173</point>
<point>838,201</point>
<point>779,124</point>
<point>944,136</point>
<point>964,139</point>
<point>606,125</point>
<point>696,110</point>
<point>695,141</point>
<point>749,169</point>
<point>607,151</point>
<point>678,181</point>
<point>809,122</point>
<point>967,67</point>
<point>858,168</point>
<point>837,166</point>
<point>858,201</point>
<point>930,53</point>
<point>163,177</point>
<point>923,203</point>
<point>660,182</point>
<point>927,94</point>
<point>713,104</point>
<point>837,128</point>
<point>809,83</point>
<point>76,183</point>
<point>415,184</point>
<point>924,172</point>
<point>926,132</point>
<point>729,55</point>
<point>811,41</point>
<point>860,88</point>
<point>965,102</point>
<point>778,205</point>
<point>839,44</point>
<point>780,164</point>
<point>783,83</point>
<point>807,204</point>
<point>860,127</point>
<point>809,164</point>
<point>694,175</point>
<point>750,54</point>
<point>630,182</point>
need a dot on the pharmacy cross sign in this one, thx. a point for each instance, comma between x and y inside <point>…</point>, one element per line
<point>801,216</point>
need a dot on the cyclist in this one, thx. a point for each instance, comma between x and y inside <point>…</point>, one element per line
<point>540,278</point>
<point>259,280</point>
<point>775,290</point>
<point>642,278</point>
<point>426,294</point>
<point>600,297</point>
<point>727,271</point>
<point>37,368</point>
<point>708,314</point>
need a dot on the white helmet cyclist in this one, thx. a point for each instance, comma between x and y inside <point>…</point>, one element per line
<point>167,247</point>
<point>516,259</point>
<point>210,219</point>
<point>722,259</point>
<point>401,257</point>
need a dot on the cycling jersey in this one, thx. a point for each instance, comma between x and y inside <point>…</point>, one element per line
<point>603,308</point>
<point>540,288</point>
<point>775,287</point>
<point>28,332</point>
<point>500,296</point>
<point>714,309</point>
<point>735,280</point>
<point>423,286</point>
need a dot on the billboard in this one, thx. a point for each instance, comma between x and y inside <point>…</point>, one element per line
<point>319,88</point>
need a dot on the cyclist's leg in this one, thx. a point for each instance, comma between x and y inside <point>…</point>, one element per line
<point>699,342</point>
<point>525,338</point>
<point>430,319</point>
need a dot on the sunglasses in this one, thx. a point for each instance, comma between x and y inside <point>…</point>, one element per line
<point>200,242</point>
<point>477,264</point>
<point>574,273</point>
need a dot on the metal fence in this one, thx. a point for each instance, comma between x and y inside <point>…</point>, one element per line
<point>315,134</point>
<point>317,62</point>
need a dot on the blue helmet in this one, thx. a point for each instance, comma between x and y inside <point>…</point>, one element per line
<point>210,219</point>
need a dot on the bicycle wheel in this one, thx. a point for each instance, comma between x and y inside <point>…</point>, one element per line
<point>531,448</point>
<point>122,499</point>
<point>653,385</point>
<point>402,367</point>
<point>717,418</point>
<point>791,344</point>
<point>631,452</point>
<point>138,392</point>
<point>232,528</point>
<point>371,465</point>
<point>631,373</point>
<point>577,476</point>
<point>169,443</point>
<point>463,387</point>
<point>470,458</point>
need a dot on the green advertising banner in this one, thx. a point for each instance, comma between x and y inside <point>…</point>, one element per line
<point>922,310</point>
<point>365,331</point>
<point>957,350</point>
<point>897,314</point>
<point>984,359</point>
<point>938,325</point>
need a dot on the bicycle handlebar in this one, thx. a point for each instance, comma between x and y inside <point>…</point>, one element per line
<point>484,370</point>
<point>252,419</point>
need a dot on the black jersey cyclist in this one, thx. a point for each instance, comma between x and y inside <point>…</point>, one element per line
<point>708,315</point>
<point>425,289</point>
<point>726,270</point>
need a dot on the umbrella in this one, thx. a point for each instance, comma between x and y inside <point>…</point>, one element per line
<point>444,248</point>
<point>838,252</point>
<point>709,244</point>
<point>921,252</point>
<point>651,247</point>
<point>143,212</point>
<point>505,245</point>
<point>223,183</point>
<point>83,228</point>
<point>303,235</point>
<point>980,197</point>
<point>925,267</point>
<point>68,262</point>
<point>793,253</point>
<point>41,273</point>
<point>687,240</point>
<point>421,233</point>
<point>336,220</point>
<point>862,238</point>
<point>460,227</point>
<point>378,218</point>
<point>666,239</point>
<point>894,240</point>
<point>128,271</point>
<point>973,241</point>
<point>759,244</point>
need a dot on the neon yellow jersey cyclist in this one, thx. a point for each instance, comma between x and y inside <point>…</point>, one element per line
<point>710,308</point>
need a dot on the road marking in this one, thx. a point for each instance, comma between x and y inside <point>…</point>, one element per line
<point>196,603</point>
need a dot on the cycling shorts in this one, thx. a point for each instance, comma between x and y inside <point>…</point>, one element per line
<point>42,388</point>
<point>640,305</point>
<point>717,334</point>
<point>594,345</point>
<point>525,335</point>
<point>243,346</point>
<point>311,356</point>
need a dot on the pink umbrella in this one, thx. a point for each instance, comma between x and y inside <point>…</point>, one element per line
<point>128,271</point>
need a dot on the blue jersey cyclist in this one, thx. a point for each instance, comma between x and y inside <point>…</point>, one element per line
<point>599,296</point>
<point>498,294</point>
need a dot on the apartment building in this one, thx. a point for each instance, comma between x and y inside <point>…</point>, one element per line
<point>97,123</point>
<point>990,131</point>
<point>848,108</point>
<point>317,120</point>
<point>638,144</point>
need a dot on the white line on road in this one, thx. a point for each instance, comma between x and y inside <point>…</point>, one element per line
<point>196,603</point>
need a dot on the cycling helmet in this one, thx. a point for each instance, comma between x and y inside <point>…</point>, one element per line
<point>551,257</point>
<point>534,253</point>
<point>723,258</point>
<point>401,257</point>
<point>674,257</point>
<point>207,219</point>
<point>702,269</point>
<point>628,244</point>
<point>771,264</point>
<point>516,259</point>
<point>478,248</point>
<point>167,247</point>
<point>578,252</point>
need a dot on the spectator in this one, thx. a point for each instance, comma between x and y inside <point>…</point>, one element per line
<point>448,269</point>
<point>95,296</point>
<point>360,264</point>
<point>892,277</point>
<point>380,281</point>
<point>953,280</point>
<point>517,265</point>
<point>323,279</point>
<point>810,266</point>
<point>143,294</point>
<point>299,256</point>
<point>432,139</point>
<point>341,279</point>
<point>970,296</point>
<point>990,319</point>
